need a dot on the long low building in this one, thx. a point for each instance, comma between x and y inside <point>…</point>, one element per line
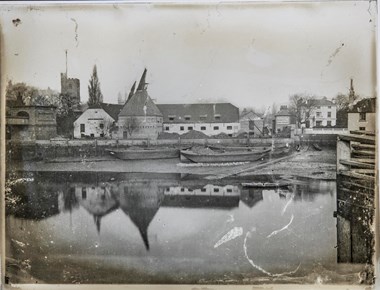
<point>210,119</point>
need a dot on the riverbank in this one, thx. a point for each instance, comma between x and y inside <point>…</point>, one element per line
<point>307,163</point>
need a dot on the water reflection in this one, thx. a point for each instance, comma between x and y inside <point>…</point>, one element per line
<point>173,220</point>
<point>140,196</point>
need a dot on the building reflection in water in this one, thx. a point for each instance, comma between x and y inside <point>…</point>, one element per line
<point>140,196</point>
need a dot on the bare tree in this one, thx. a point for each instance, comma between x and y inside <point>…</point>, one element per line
<point>342,103</point>
<point>301,106</point>
<point>131,124</point>
<point>105,129</point>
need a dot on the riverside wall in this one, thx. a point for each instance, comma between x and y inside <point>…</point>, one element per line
<point>50,149</point>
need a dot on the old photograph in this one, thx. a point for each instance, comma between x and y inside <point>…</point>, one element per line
<point>169,143</point>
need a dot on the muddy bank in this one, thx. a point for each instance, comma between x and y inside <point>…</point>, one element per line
<point>307,163</point>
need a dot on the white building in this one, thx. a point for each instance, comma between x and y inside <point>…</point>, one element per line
<point>323,114</point>
<point>210,119</point>
<point>363,116</point>
<point>96,121</point>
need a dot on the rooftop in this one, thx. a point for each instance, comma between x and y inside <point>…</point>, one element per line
<point>364,106</point>
<point>199,113</point>
<point>140,104</point>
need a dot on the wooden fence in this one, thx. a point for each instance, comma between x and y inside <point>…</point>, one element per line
<point>356,187</point>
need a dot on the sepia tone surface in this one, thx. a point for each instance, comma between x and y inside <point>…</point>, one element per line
<point>190,144</point>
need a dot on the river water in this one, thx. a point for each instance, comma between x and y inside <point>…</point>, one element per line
<point>169,228</point>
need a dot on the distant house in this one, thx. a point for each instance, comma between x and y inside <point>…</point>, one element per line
<point>283,119</point>
<point>322,114</point>
<point>30,123</point>
<point>97,121</point>
<point>140,117</point>
<point>251,123</point>
<point>210,119</point>
<point>362,116</point>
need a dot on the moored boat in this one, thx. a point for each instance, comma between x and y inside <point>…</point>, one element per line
<point>145,153</point>
<point>224,157</point>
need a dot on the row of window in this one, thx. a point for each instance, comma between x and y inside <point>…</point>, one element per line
<point>319,107</point>
<point>319,114</point>
<point>203,128</point>
<point>319,123</point>
<point>188,117</point>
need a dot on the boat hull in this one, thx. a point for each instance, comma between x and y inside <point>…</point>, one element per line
<point>224,157</point>
<point>146,154</point>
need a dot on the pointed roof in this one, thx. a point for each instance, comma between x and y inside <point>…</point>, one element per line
<point>132,91</point>
<point>142,83</point>
<point>140,104</point>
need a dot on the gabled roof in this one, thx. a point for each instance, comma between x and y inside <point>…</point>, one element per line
<point>364,106</point>
<point>140,104</point>
<point>199,113</point>
<point>111,109</point>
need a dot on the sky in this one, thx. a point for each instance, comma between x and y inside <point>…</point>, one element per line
<point>252,55</point>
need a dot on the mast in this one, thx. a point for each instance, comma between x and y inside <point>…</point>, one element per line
<point>66,61</point>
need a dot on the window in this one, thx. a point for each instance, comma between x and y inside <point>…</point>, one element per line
<point>216,189</point>
<point>229,190</point>
<point>203,128</point>
<point>328,114</point>
<point>187,118</point>
<point>101,135</point>
<point>230,135</point>
<point>92,135</point>
<point>82,128</point>
<point>362,128</point>
<point>101,125</point>
<point>329,123</point>
<point>182,189</point>
<point>203,189</point>
<point>171,118</point>
<point>319,114</point>
<point>166,128</point>
<point>362,117</point>
<point>190,128</point>
<point>203,117</point>
<point>318,123</point>
<point>84,193</point>
<point>329,107</point>
<point>182,128</point>
<point>216,128</point>
<point>217,117</point>
<point>229,127</point>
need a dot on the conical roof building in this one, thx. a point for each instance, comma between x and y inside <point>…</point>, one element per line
<point>140,118</point>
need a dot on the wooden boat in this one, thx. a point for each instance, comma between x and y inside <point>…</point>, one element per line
<point>266,184</point>
<point>279,148</point>
<point>145,153</point>
<point>224,157</point>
